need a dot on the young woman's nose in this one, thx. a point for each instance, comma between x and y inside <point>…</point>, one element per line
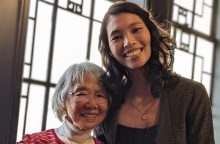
<point>129,40</point>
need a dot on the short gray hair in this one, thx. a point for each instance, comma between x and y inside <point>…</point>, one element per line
<point>72,75</point>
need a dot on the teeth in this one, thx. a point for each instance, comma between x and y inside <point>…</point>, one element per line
<point>133,53</point>
<point>89,115</point>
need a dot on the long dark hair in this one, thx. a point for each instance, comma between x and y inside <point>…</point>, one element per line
<point>158,68</point>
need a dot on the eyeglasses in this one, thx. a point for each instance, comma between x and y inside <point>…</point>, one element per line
<point>85,95</point>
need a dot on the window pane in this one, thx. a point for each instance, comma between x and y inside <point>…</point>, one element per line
<point>198,69</point>
<point>26,71</point>
<point>32,8</point>
<point>86,10</point>
<point>199,7</point>
<point>29,40</point>
<point>22,108</point>
<point>178,37</point>
<point>101,7</point>
<point>208,2</point>
<point>192,43</point>
<point>206,81</point>
<point>183,63</point>
<point>204,49</point>
<point>52,121</point>
<point>187,4</point>
<point>35,109</point>
<point>203,23</point>
<point>95,56</point>
<point>42,41</point>
<point>71,42</point>
<point>50,1</point>
<point>24,89</point>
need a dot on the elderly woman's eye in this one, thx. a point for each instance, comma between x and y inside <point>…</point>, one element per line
<point>100,96</point>
<point>81,94</point>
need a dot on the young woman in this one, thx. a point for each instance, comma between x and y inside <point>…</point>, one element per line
<point>80,101</point>
<point>152,105</point>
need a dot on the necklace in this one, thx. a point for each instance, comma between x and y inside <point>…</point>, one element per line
<point>143,113</point>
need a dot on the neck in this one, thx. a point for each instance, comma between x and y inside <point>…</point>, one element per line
<point>140,87</point>
<point>73,133</point>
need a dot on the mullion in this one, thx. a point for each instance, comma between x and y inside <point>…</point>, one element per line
<point>54,18</point>
<point>90,30</point>
<point>32,53</point>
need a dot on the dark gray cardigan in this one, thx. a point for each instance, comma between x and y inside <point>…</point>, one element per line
<point>185,117</point>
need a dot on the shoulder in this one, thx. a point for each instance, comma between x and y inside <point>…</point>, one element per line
<point>46,136</point>
<point>187,91</point>
<point>189,87</point>
<point>97,141</point>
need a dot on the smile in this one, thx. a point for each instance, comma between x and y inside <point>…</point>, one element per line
<point>133,53</point>
<point>89,116</point>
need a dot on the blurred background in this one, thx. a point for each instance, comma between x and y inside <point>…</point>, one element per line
<point>40,39</point>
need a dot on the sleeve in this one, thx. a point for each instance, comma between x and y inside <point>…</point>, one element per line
<point>199,123</point>
<point>27,139</point>
<point>99,133</point>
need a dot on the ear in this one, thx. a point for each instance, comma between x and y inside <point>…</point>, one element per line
<point>63,108</point>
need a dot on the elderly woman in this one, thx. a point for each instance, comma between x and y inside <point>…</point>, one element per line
<point>80,101</point>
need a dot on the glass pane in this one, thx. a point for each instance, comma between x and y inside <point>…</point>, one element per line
<point>42,41</point>
<point>178,37</point>
<point>187,4</point>
<point>175,13</point>
<point>71,42</point>
<point>101,7</point>
<point>32,8</point>
<point>22,108</point>
<point>205,49</point>
<point>24,89</point>
<point>206,81</point>
<point>35,109</point>
<point>189,19</point>
<point>208,2</point>
<point>183,63</point>
<point>26,71</point>
<point>199,7</point>
<point>52,121</point>
<point>203,23</point>
<point>86,8</point>
<point>63,3</point>
<point>95,56</point>
<point>29,40</point>
<point>50,1</point>
<point>192,43</point>
<point>185,38</point>
<point>198,69</point>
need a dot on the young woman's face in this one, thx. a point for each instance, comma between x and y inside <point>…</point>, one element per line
<point>87,107</point>
<point>129,40</point>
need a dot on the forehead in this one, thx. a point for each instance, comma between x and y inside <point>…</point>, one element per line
<point>122,20</point>
<point>87,82</point>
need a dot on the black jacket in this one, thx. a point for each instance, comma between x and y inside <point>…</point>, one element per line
<point>185,117</point>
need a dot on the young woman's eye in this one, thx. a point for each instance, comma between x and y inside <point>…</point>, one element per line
<point>136,30</point>
<point>116,38</point>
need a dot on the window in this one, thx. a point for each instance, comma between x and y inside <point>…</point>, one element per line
<point>60,33</point>
<point>192,24</point>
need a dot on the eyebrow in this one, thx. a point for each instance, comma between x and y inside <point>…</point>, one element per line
<point>117,31</point>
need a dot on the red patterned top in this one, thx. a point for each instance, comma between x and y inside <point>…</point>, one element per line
<point>46,137</point>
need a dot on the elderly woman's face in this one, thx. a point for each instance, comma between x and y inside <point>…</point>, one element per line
<point>87,107</point>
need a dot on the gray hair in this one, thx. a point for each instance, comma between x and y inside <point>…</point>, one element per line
<point>72,75</point>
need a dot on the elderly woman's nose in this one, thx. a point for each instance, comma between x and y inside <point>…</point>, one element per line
<point>92,102</point>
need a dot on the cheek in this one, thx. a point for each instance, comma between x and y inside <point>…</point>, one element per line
<point>103,108</point>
